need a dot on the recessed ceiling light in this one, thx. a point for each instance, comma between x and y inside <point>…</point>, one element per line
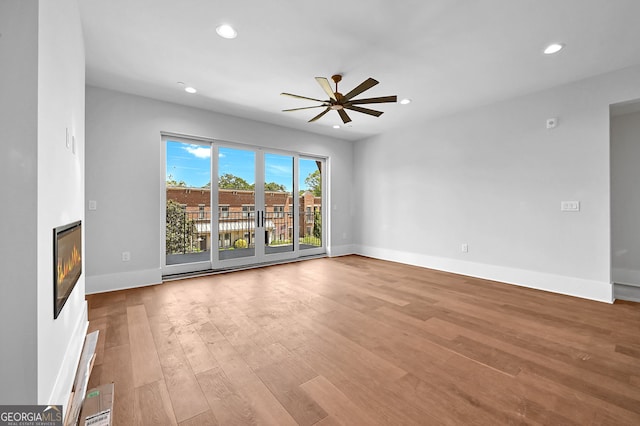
<point>226,31</point>
<point>405,101</point>
<point>553,48</point>
<point>335,126</point>
<point>190,89</point>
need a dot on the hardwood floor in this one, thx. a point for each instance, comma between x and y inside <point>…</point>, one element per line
<point>358,341</point>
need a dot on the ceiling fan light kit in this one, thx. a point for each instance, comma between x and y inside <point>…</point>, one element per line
<point>339,102</point>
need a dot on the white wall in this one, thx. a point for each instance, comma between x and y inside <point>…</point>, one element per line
<point>625,198</point>
<point>42,86</point>
<point>494,178</point>
<point>60,190</point>
<point>123,161</point>
<point>18,172</point>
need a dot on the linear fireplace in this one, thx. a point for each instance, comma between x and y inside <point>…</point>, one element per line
<point>67,262</point>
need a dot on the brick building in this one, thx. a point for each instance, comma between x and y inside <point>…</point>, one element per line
<point>236,215</point>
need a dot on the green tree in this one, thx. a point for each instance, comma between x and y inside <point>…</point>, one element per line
<point>314,183</point>
<point>275,187</point>
<point>229,181</point>
<point>317,224</point>
<point>179,229</point>
<point>171,181</point>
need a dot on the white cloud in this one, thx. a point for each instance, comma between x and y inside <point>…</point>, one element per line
<point>198,151</point>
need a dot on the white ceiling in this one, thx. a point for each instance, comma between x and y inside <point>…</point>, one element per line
<point>446,55</point>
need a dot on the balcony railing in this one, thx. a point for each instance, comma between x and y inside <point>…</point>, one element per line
<point>190,231</point>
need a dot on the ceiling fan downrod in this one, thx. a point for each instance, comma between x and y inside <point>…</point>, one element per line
<point>336,79</point>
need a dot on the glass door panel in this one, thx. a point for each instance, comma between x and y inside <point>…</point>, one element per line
<point>310,212</point>
<point>236,204</point>
<point>279,220</point>
<point>188,205</point>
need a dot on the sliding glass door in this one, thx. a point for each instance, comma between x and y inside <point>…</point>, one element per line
<point>187,194</point>
<point>278,204</point>
<point>310,217</point>
<point>263,205</point>
<point>236,203</point>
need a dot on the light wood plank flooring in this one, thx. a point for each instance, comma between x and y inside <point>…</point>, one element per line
<point>358,341</point>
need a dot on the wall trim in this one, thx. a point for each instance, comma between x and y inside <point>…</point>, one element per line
<point>626,292</point>
<point>67,373</point>
<point>122,280</point>
<point>600,291</point>
<point>626,276</point>
<point>342,250</point>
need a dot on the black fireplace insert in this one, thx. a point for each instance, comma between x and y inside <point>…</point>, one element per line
<point>67,262</point>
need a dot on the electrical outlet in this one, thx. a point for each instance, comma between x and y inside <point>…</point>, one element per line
<point>93,205</point>
<point>570,206</point>
<point>126,256</point>
<point>464,248</point>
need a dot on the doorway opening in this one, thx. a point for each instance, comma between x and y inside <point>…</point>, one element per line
<point>625,200</point>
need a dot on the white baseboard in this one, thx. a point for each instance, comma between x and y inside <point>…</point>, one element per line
<point>571,286</point>
<point>67,373</point>
<point>122,280</point>
<point>343,250</point>
<point>626,276</point>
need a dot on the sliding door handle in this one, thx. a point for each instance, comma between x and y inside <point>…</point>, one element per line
<point>259,218</point>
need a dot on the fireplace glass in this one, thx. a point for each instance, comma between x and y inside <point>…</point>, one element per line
<point>67,263</point>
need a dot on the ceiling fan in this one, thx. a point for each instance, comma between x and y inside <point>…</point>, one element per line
<point>339,102</point>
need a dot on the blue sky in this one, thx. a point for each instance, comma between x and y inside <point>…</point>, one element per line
<point>191,163</point>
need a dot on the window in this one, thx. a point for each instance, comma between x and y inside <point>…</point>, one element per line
<point>224,240</point>
<point>278,211</point>
<point>248,211</point>
<point>223,211</point>
<point>239,183</point>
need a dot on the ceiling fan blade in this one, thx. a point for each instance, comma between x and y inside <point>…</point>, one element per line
<point>365,110</point>
<point>302,97</point>
<point>324,83</point>
<point>365,85</point>
<point>298,109</point>
<point>344,116</point>
<point>320,115</point>
<point>378,100</point>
